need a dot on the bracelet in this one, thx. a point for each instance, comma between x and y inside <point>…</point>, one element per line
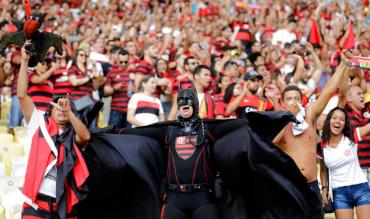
<point>323,187</point>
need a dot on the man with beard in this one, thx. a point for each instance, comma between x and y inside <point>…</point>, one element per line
<point>248,101</point>
<point>146,66</point>
<point>185,81</point>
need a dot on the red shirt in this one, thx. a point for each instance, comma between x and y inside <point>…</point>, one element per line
<point>220,105</point>
<point>84,89</point>
<point>185,83</point>
<point>41,94</point>
<point>120,98</point>
<point>62,86</point>
<point>249,104</point>
<point>359,119</point>
<point>145,68</point>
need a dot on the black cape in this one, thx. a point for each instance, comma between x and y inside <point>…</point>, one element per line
<point>127,171</point>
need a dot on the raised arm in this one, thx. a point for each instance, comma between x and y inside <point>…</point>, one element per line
<point>82,134</point>
<point>232,106</point>
<point>365,130</point>
<point>39,79</point>
<point>318,106</point>
<point>299,71</point>
<point>27,106</point>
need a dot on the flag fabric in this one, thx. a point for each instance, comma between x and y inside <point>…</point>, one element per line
<point>72,171</point>
<point>314,36</point>
<point>349,43</point>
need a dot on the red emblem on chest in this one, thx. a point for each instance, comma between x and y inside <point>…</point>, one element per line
<point>185,146</point>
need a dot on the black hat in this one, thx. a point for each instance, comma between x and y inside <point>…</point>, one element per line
<point>252,75</point>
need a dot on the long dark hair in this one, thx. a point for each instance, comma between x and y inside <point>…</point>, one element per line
<point>347,130</point>
<point>229,92</point>
<point>74,59</point>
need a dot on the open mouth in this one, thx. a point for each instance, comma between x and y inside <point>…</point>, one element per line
<point>185,108</point>
<point>336,127</point>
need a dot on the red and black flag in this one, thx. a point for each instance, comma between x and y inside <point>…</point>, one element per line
<point>314,36</point>
<point>349,42</point>
<point>48,149</point>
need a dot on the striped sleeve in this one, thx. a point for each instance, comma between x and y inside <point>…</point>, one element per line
<point>356,135</point>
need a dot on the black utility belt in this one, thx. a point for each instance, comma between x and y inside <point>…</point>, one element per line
<point>188,187</point>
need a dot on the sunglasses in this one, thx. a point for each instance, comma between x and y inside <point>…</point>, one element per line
<point>123,62</point>
<point>82,55</point>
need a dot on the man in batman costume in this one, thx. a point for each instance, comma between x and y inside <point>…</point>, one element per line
<point>173,170</point>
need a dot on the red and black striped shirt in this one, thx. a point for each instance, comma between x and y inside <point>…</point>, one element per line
<point>145,68</point>
<point>119,98</point>
<point>185,83</point>
<point>359,119</point>
<point>62,86</point>
<point>41,94</point>
<point>84,89</point>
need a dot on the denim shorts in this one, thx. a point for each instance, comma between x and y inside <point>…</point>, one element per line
<point>348,197</point>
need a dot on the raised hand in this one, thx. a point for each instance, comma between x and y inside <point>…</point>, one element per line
<point>25,55</point>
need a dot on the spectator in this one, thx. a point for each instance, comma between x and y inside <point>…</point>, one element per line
<point>304,133</point>
<point>248,101</point>
<point>41,88</point>
<point>164,82</point>
<point>81,79</point>
<point>202,80</point>
<point>42,184</point>
<point>185,81</point>
<point>15,110</point>
<point>144,108</point>
<point>231,70</point>
<point>120,86</point>
<point>339,150</point>
<point>146,66</point>
<point>59,78</point>
<point>223,83</point>
<point>232,91</point>
<point>285,35</point>
<point>358,113</point>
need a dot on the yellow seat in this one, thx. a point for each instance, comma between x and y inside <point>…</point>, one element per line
<point>8,152</point>
<point>11,197</point>
<point>19,165</point>
<point>4,122</point>
<point>3,129</point>
<point>2,212</point>
<point>4,137</point>
<point>2,169</point>
<point>5,109</point>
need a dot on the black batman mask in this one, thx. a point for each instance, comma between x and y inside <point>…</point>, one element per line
<point>188,97</point>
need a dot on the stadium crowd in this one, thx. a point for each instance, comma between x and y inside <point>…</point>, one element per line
<point>240,56</point>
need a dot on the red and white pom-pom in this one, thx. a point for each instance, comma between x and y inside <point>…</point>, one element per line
<point>31,27</point>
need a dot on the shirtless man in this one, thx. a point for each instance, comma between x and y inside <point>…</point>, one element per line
<point>299,140</point>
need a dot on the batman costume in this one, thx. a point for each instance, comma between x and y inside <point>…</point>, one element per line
<point>193,168</point>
